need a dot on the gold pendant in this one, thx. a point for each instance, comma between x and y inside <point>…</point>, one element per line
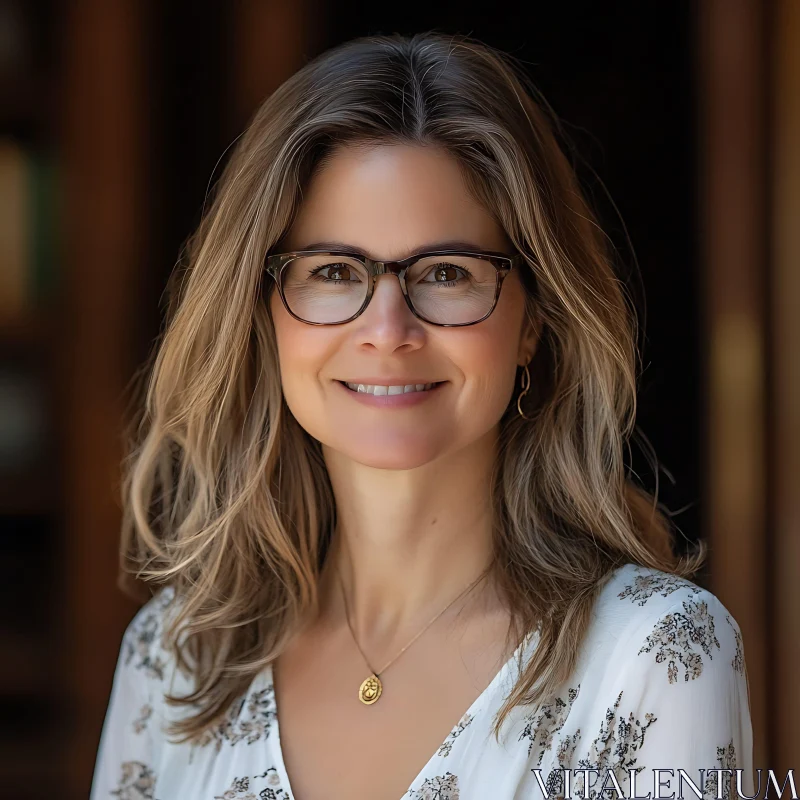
<point>370,690</point>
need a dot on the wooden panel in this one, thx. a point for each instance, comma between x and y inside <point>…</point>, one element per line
<point>785,466</point>
<point>272,39</point>
<point>104,167</point>
<point>733,212</point>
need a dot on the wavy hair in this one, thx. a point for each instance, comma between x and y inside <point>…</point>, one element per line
<point>227,498</point>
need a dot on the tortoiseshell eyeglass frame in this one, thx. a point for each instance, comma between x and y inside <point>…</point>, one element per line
<point>276,263</point>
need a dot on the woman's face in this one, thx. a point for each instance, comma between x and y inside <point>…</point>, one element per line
<point>392,201</point>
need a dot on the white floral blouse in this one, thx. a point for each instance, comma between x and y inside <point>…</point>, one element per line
<point>660,685</point>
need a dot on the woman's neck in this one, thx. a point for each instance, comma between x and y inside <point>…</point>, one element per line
<point>406,542</point>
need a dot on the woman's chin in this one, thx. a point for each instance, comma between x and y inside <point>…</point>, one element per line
<point>388,452</point>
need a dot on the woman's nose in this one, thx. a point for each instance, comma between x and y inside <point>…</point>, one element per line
<point>388,293</point>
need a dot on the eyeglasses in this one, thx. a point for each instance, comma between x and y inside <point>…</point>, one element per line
<point>445,287</point>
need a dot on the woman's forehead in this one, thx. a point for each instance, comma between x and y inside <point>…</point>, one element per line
<point>396,198</point>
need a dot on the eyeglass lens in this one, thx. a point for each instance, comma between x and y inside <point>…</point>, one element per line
<point>448,289</point>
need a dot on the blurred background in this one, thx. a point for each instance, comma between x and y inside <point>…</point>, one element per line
<point>115,116</point>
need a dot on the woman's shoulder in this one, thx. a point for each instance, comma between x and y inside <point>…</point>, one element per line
<point>682,627</point>
<point>145,648</point>
<point>634,591</point>
<point>660,683</point>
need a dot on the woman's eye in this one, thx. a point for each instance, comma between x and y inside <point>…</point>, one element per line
<point>445,272</point>
<point>336,272</point>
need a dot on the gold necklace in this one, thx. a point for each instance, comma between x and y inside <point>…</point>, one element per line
<point>371,687</point>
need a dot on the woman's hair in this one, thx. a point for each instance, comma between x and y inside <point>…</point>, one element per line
<point>227,498</point>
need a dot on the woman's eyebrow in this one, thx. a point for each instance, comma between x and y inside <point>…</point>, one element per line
<point>456,244</point>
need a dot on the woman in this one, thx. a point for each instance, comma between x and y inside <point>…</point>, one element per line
<point>382,571</point>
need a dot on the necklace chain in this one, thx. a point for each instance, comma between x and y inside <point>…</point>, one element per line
<point>347,616</point>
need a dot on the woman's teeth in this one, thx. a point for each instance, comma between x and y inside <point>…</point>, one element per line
<point>378,390</point>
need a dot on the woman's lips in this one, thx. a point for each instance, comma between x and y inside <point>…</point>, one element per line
<point>393,400</point>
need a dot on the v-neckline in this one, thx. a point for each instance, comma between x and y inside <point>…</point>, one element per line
<point>475,707</point>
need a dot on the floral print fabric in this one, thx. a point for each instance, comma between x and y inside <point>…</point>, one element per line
<point>660,686</point>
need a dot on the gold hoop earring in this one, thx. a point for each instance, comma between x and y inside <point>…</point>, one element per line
<point>526,384</point>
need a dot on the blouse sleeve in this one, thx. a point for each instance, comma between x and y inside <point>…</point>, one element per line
<point>125,761</point>
<point>682,703</point>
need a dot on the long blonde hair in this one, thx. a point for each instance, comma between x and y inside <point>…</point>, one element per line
<point>225,496</point>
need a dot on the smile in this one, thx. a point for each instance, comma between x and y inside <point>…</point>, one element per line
<point>391,396</point>
<point>390,390</point>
